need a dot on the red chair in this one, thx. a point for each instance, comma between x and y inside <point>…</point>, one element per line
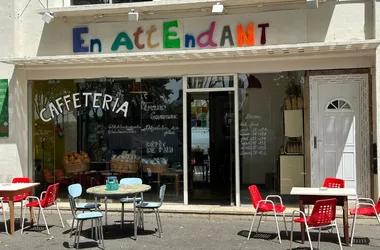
<point>265,206</point>
<point>333,183</point>
<point>20,197</point>
<point>48,198</point>
<point>369,209</point>
<point>322,216</point>
<point>60,177</point>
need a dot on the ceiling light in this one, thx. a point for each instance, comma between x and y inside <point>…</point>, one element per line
<point>133,16</point>
<point>47,17</point>
<point>312,4</point>
<point>217,8</point>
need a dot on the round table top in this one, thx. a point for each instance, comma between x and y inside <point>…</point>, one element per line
<point>124,189</point>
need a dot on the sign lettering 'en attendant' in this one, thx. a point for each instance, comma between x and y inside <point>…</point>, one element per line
<point>146,37</point>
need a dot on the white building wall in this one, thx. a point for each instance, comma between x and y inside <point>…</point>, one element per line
<point>27,35</point>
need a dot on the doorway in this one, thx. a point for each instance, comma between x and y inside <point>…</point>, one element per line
<point>211,146</point>
<point>339,135</point>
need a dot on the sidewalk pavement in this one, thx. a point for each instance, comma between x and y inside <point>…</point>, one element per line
<point>181,233</point>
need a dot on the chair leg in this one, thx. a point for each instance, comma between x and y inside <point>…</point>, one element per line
<point>308,236</point>
<point>72,227</point>
<point>79,231</point>
<point>159,219</point>
<point>286,228</point>
<point>158,224</point>
<point>122,215</point>
<point>319,237</point>
<point>291,235</point>
<point>22,203</point>
<point>258,225</point>
<point>353,230</point>
<point>60,216</point>
<point>253,221</point>
<point>43,216</point>
<point>23,221</point>
<point>337,233</point>
<point>278,229</point>
<point>101,230</point>
<point>76,238</point>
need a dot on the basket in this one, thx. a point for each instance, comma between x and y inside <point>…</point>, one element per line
<point>155,168</point>
<point>124,166</point>
<point>76,167</point>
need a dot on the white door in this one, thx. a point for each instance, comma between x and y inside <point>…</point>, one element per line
<point>335,129</point>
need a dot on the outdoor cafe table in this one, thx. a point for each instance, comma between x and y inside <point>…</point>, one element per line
<point>308,196</point>
<point>123,191</point>
<point>11,190</point>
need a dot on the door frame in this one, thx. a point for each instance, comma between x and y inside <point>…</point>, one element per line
<point>187,90</point>
<point>308,118</point>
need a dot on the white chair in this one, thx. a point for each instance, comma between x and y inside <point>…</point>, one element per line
<point>3,210</point>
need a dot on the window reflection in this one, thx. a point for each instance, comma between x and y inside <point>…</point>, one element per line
<point>122,126</point>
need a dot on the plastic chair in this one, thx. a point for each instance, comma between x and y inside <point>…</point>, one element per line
<point>47,199</point>
<point>20,197</point>
<point>265,206</point>
<point>322,216</point>
<point>155,207</point>
<point>370,209</point>
<point>129,181</point>
<point>3,210</point>
<point>81,217</point>
<point>75,191</point>
<point>48,177</point>
<point>333,183</point>
<point>60,177</point>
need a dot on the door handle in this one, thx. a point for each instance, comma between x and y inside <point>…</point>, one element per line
<point>315,142</point>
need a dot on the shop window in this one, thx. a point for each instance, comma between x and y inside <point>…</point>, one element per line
<point>270,133</point>
<point>88,129</point>
<point>85,2</point>
<point>202,82</point>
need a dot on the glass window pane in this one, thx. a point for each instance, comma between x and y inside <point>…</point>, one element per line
<point>84,2</point>
<point>88,129</point>
<point>271,148</point>
<point>201,82</point>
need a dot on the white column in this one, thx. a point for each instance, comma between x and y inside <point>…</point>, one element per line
<point>376,114</point>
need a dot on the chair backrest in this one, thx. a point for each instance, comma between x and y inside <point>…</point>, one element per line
<point>75,190</point>
<point>73,205</point>
<point>59,175</point>
<point>47,175</point>
<point>22,180</point>
<point>333,183</point>
<point>131,181</point>
<point>51,195</point>
<point>323,213</point>
<point>162,194</point>
<point>255,195</point>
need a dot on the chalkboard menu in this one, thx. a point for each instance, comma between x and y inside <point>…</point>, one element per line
<point>253,136</point>
<point>161,131</point>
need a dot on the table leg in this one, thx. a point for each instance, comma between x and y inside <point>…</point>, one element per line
<point>12,214</point>
<point>134,217</point>
<point>345,221</point>
<point>31,216</point>
<point>302,224</point>
<point>96,208</point>
<point>105,212</point>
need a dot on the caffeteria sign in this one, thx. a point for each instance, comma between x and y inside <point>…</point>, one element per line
<point>87,99</point>
<point>201,33</point>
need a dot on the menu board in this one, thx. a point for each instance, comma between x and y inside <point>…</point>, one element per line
<point>4,113</point>
<point>253,136</point>
<point>160,130</point>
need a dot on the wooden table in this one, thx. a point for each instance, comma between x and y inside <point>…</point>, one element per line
<point>174,174</point>
<point>124,190</point>
<point>308,196</point>
<point>12,189</point>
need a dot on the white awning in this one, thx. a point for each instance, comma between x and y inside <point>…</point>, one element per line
<point>188,55</point>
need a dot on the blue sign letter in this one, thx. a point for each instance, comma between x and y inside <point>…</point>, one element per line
<point>77,40</point>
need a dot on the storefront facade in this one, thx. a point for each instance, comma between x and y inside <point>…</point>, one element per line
<point>208,104</point>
